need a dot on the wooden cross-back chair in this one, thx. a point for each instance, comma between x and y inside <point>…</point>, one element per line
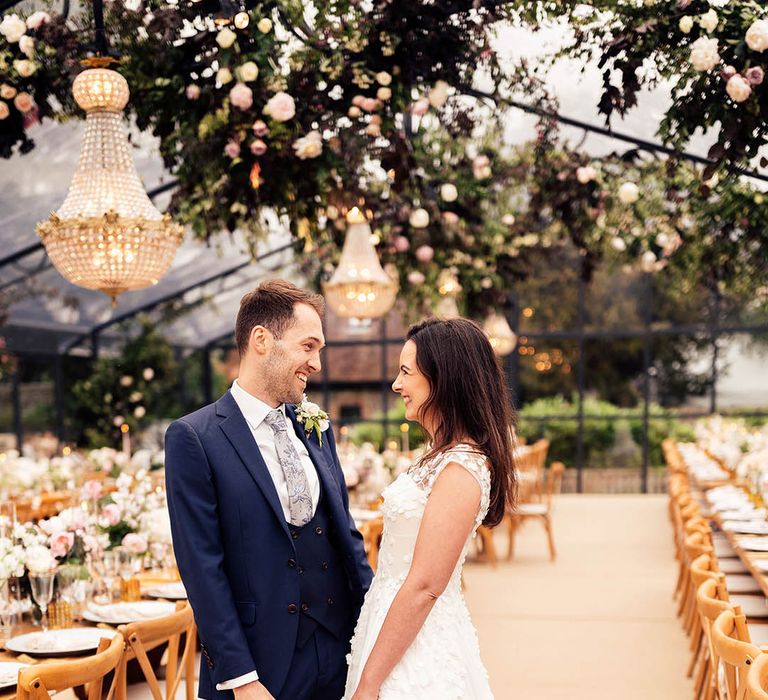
<point>38,682</point>
<point>141,637</point>
<point>735,655</point>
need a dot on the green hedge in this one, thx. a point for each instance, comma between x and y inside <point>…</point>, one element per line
<point>610,435</point>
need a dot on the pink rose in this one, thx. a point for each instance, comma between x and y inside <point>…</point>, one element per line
<point>258,147</point>
<point>425,253</point>
<point>370,104</point>
<point>61,543</point>
<point>193,91</point>
<point>416,278</point>
<point>91,490</point>
<point>37,18</point>
<point>450,218</point>
<point>111,514</point>
<point>260,128</point>
<point>135,543</point>
<point>420,107</point>
<point>402,244</point>
<point>241,96</point>
<point>280,107</point>
<point>23,102</point>
<point>755,75</point>
<point>358,100</point>
<point>232,149</point>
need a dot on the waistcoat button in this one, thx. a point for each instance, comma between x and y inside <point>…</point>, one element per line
<point>318,531</point>
<point>291,563</point>
<point>292,608</point>
<point>304,607</point>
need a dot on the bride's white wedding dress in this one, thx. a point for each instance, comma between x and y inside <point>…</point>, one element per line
<point>443,662</point>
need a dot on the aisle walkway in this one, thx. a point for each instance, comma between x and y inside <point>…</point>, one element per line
<point>599,623</point>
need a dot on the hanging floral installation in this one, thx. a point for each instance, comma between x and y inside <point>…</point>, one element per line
<point>308,113</point>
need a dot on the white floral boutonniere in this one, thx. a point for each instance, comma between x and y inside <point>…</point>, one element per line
<point>313,418</point>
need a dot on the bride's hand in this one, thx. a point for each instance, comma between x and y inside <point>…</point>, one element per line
<point>364,693</point>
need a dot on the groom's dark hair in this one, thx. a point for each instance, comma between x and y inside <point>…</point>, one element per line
<point>271,305</point>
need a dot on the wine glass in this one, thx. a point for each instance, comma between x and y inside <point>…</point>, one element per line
<point>41,583</point>
<point>107,567</point>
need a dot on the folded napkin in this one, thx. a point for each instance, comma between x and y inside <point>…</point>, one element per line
<point>127,611</point>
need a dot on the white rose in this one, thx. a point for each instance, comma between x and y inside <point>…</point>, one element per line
<point>39,559</point>
<point>704,54</point>
<point>225,38</point>
<point>7,92</point>
<point>25,67</point>
<point>629,193</point>
<point>738,89</point>
<point>586,174</point>
<point>448,192</point>
<point>310,408</point>
<point>419,218</point>
<point>27,46</point>
<point>37,18</point>
<point>686,24</point>
<point>264,25</point>
<point>708,21</point>
<point>323,424</point>
<point>383,93</point>
<point>132,5</point>
<point>12,28</point>
<point>648,261</point>
<point>309,146</point>
<point>224,76</point>
<point>438,95</point>
<point>618,244</point>
<point>4,111</point>
<point>148,374</point>
<point>757,35</point>
<point>383,78</point>
<point>126,380</point>
<point>248,72</point>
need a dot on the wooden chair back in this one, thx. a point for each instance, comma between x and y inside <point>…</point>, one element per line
<point>757,679</point>
<point>371,531</point>
<point>554,482</point>
<point>37,682</point>
<point>141,637</point>
<point>736,656</point>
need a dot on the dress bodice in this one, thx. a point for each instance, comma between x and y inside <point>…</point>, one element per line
<point>405,500</point>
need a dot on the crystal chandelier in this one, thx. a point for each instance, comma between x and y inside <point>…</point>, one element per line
<point>501,336</point>
<point>107,235</point>
<point>359,287</point>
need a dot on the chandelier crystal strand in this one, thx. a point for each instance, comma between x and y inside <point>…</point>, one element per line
<point>359,287</point>
<point>107,235</point>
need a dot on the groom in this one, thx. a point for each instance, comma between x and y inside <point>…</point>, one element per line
<point>272,562</point>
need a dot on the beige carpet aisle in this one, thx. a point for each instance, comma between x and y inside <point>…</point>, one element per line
<point>597,624</point>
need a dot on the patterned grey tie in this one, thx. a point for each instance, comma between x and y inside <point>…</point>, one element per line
<point>299,497</point>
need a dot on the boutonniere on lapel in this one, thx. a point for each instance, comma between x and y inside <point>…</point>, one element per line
<point>313,418</point>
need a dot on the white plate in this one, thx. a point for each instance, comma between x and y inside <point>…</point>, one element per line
<point>169,591</point>
<point>123,613</point>
<point>747,527</point>
<point>9,673</point>
<point>754,545</point>
<point>761,564</point>
<point>742,514</point>
<point>59,642</point>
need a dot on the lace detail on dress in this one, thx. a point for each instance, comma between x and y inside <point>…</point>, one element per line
<point>474,461</point>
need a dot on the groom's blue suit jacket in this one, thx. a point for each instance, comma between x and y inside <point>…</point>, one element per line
<point>233,545</point>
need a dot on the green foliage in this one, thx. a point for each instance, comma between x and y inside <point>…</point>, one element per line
<point>599,429</point>
<point>135,387</point>
<point>373,432</point>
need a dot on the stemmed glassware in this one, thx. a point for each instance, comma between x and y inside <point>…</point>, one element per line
<point>107,567</point>
<point>41,583</point>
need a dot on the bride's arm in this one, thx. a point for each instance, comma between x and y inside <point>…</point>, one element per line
<point>448,519</point>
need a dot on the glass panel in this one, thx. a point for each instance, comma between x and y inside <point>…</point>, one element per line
<point>742,381</point>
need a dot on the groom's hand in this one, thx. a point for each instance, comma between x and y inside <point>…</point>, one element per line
<point>252,691</point>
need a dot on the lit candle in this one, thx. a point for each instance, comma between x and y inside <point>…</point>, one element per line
<point>404,428</point>
<point>124,429</point>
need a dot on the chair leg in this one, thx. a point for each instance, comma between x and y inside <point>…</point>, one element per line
<point>511,530</point>
<point>696,651</point>
<point>486,534</point>
<point>700,686</point>
<point>550,538</point>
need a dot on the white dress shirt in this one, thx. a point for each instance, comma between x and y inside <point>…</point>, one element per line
<point>255,411</point>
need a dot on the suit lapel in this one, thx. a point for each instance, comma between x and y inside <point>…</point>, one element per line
<point>239,434</point>
<point>319,459</point>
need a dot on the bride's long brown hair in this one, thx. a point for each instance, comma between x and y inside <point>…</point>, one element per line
<point>468,400</point>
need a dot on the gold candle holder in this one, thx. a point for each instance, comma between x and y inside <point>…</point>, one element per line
<point>59,615</point>
<point>130,589</point>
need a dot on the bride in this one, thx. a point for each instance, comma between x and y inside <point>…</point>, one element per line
<point>414,638</point>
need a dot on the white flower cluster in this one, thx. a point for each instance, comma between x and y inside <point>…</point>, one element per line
<point>12,558</point>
